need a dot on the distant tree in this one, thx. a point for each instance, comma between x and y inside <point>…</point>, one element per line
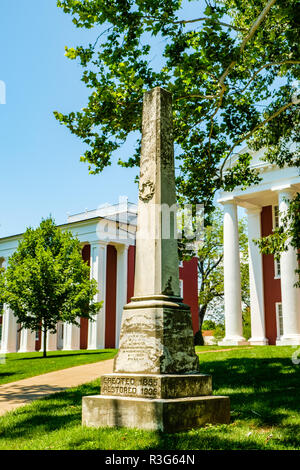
<point>47,281</point>
<point>1,286</point>
<point>210,265</point>
<point>208,325</point>
<point>231,68</point>
<point>1,290</point>
<point>246,323</point>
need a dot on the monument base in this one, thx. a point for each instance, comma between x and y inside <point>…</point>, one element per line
<point>155,402</point>
<point>156,385</point>
<point>168,415</point>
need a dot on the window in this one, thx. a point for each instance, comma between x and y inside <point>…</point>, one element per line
<point>276,225</point>
<point>275,217</point>
<point>277,268</point>
<point>37,335</point>
<point>279,319</point>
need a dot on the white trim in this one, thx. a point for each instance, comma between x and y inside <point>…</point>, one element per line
<point>278,306</point>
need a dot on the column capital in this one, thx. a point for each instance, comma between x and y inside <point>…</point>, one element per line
<point>228,201</point>
<point>253,210</point>
<point>122,247</point>
<point>99,242</point>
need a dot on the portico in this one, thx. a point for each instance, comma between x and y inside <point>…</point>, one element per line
<point>275,302</point>
<point>107,237</point>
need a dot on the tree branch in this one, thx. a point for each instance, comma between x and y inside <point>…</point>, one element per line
<point>204,97</point>
<point>221,80</point>
<point>247,38</point>
<point>213,266</point>
<point>271,64</point>
<point>205,18</point>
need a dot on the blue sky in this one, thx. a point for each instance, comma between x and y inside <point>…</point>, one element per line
<point>39,159</point>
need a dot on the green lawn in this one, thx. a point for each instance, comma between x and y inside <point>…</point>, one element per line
<point>18,366</point>
<point>262,382</point>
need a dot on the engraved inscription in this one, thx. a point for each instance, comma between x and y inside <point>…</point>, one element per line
<point>133,347</point>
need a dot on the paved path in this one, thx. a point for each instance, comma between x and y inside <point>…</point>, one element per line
<point>22,392</point>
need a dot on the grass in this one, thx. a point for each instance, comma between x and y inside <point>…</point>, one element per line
<point>262,382</point>
<point>18,366</point>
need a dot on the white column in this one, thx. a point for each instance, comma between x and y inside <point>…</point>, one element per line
<point>122,268</point>
<point>71,337</point>
<point>9,331</point>
<point>96,329</point>
<point>9,326</point>
<point>27,341</point>
<point>257,307</point>
<point>232,277</point>
<point>290,295</point>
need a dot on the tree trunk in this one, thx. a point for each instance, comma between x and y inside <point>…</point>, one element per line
<point>45,342</point>
<point>202,312</point>
<point>198,339</point>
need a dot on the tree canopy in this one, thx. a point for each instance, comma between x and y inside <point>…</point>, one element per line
<point>46,280</point>
<point>231,70</point>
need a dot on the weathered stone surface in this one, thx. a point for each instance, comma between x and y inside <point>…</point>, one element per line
<point>156,270</point>
<point>156,340</point>
<point>156,383</point>
<point>173,415</point>
<point>156,332</point>
<point>156,386</point>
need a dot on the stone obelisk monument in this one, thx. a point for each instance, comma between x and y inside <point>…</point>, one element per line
<point>156,383</point>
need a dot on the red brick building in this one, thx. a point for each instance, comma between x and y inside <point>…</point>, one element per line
<point>107,236</point>
<point>275,301</point>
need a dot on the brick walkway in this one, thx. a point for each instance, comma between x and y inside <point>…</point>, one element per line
<point>22,392</point>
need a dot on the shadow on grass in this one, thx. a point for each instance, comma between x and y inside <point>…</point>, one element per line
<point>260,388</point>
<point>264,394</point>
<point>50,413</point>
<point>54,356</point>
<point>6,374</point>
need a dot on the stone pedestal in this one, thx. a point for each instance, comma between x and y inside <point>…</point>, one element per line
<point>168,415</point>
<point>156,384</point>
<point>162,402</point>
<point>156,337</point>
